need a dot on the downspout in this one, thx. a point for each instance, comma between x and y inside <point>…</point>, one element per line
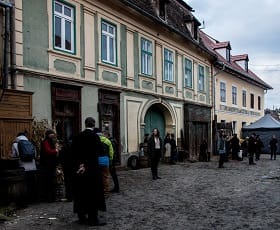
<point>12,47</point>
<point>6,47</point>
<point>214,100</point>
<point>7,7</point>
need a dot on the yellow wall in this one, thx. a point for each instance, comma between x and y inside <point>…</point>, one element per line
<point>229,112</point>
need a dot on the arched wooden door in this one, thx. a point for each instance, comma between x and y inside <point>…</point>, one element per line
<point>154,119</point>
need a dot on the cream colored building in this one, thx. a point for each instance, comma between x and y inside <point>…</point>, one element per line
<point>239,93</point>
<point>132,65</point>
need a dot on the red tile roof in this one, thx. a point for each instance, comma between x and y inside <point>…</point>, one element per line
<point>240,57</point>
<point>221,45</point>
<point>231,65</point>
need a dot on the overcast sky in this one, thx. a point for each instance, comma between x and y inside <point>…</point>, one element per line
<point>252,27</point>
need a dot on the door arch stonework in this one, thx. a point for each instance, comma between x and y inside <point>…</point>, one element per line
<point>167,112</point>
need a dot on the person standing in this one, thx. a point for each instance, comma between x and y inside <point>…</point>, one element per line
<point>48,162</point>
<point>244,147</point>
<point>173,144</point>
<point>252,145</point>
<point>235,146</point>
<point>155,152</point>
<point>88,193</point>
<point>66,161</point>
<point>104,158</point>
<point>29,165</point>
<point>113,170</point>
<point>259,147</point>
<point>273,147</point>
<point>222,149</point>
<point>167,148</point>
<point>203,151</point>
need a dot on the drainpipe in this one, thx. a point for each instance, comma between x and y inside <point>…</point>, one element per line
<point>12,47</point>
<point>7,7</point>
<point>214,96</point>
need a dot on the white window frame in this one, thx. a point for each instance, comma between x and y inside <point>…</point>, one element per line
<point>168,57</point>
<point>64,19</point>
<point>223,92</point>
<point>201,78</point>
<point>188,73</point>
<point>146,57</point>
<point>252,102</point>
<point>259,102</point>
<point>244,98</point>
<point>234,94</point>
<point>109,55</point>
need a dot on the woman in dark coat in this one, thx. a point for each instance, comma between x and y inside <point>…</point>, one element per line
<point>48,162</point>
<point>88,188</point>
<point>155,151</point>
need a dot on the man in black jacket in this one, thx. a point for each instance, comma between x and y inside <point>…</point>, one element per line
<point>88,187</point>
<point>252,145</point>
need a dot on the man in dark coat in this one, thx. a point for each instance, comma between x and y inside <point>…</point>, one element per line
<point>273,147</point>
<point>88,188</point>
<point>235,146</point>
<point>252,145</point>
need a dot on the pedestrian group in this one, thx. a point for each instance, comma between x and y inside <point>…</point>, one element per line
<point>88,160</point>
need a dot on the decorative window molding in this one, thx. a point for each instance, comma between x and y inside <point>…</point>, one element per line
<point>168,65</point>
<point>146,57</point>
<point>63,26</point>
<point>188,73</point>
<point>223,92</point>
<point>259,103</point>
<point>108,43</point>
<point>201,78</point>
<point>244,98</point>
<point>234,95</point>
<point>252,101</point>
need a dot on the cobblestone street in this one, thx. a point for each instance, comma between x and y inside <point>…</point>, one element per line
<point>189,196</point>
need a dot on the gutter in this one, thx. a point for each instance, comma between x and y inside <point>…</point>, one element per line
<point>12,47</point>
<point>262,85</point>
<point>8,7</point>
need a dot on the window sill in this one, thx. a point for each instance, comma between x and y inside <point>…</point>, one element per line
<point>64,54</point>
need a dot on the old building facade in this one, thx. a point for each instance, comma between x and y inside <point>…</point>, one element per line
<point>239,92</point>
<point>132,65</point>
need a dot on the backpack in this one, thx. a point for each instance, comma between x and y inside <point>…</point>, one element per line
<point>26,150</point>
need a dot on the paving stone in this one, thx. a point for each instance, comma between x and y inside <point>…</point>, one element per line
<point>189,196</point>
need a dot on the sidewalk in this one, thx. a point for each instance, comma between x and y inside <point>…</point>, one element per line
<point>189,196</point>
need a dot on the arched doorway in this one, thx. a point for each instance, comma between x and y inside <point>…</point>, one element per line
<point>154,118</point>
